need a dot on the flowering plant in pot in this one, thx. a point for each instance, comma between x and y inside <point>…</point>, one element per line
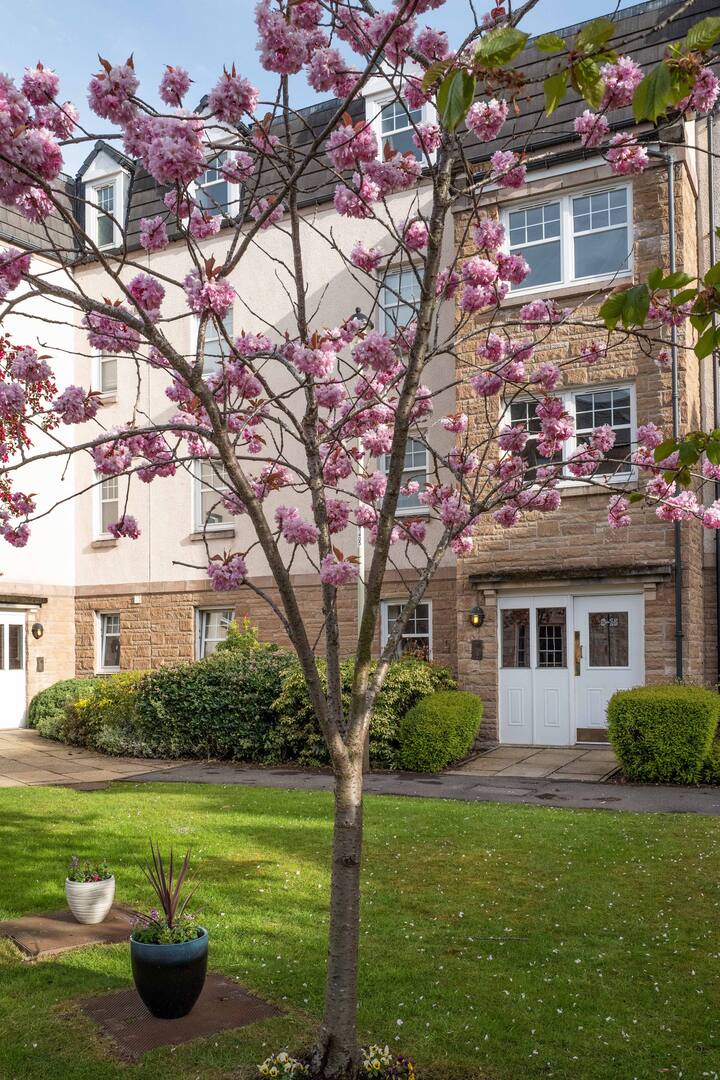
<point>168,949</point>
<point>90,890</point>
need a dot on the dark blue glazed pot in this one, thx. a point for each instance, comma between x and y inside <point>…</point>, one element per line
<point>170,978</point>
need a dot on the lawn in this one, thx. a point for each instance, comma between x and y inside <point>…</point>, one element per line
<point>502,942</point>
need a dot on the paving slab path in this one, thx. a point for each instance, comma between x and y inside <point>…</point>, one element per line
<point>84,770</point>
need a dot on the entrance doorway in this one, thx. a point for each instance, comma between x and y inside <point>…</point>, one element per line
<point>12,669</point>
<point>561,658</point>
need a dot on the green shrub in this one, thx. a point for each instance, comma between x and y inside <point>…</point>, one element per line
<point>46,711</point>
<point>711,767</point>
<point>218,707</point>
<point>440,729</point>
<point>105,719</point>
<point>297,736</point>
<point>663,733</point>
<point>244,640</point>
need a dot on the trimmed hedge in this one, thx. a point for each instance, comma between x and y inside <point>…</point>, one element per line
<point>664,733</point>
<point>220,707</point>
<point>439,730</point>
<point>297,736</point>
<point>104,719</point>
<point>46,711</point>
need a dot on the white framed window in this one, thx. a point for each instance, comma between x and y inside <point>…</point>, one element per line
<point>589,407</point>
<point>415,469</point>
<point>108,641</point>
<point>108,504</point>
<point>571,238</point>
<point>211,628</point>
<point>216,346</point>
<point>210,483</point>
<point>105,373</point>
<point>212,192</point>
<point>399,297</point>
<point>417,635</point>
<point>394,124</point>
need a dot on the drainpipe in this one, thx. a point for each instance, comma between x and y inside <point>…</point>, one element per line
<point>675,399</point>
<point>715,360</point>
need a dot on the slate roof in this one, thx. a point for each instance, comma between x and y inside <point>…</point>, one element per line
<point>643,31</point>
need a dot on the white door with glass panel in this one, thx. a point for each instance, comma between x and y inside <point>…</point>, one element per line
<point>609,653</point>
<point>561,659</point>
<point>534,678</point>
<point>12,669</point>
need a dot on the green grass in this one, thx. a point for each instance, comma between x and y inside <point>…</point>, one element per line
<point>514,943</point>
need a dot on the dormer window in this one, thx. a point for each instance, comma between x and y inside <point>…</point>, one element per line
<point>105,200</point>
<point>397,127</point>
<point>212,192</point>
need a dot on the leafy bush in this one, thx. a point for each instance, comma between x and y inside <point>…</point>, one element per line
<point>105,719</point>
<point>218,707</point>
<point>440,729</point>
<point>244,640</point>
<point>711,767</point>
<point>297,736</point>
<point>664,733</point>
<point>47,709</point>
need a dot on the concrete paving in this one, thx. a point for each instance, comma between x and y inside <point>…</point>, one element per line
<point>55,764</point>
<point>592,763</point>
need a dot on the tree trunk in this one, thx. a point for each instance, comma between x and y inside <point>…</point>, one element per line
<point>337,1055</point>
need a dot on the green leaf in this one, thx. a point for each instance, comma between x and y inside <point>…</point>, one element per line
<point>676,280</point>
<point>500,46</point>
<point>635,497</point>
<point>699,322</point>
<point>713,275</point>
<point>549,43</point>
<point>655,277</point>
<point>665,449</point>
<point>637,302</point>
<point>688,453</point>
<point>653,95</point>
<point>434,72</point>
<point>595,34</point>
<point>712,450</point>
<point>703,34</point>
<point>555,90</point>
<point>455,97</point>
<point>587,80</point>
<point>708,342</point>
<point>612,309</point>
<point>684,295</point>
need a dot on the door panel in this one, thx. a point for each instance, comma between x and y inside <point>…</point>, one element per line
<point>611,635</point>
<point>12,669</point>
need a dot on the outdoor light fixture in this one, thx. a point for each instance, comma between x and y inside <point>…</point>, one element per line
<point>365,320</point>
<point>477,616</point>
<point>37,630</point>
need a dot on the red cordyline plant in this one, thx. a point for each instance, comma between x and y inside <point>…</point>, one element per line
<point>289,422</point>
<point>168,882</point>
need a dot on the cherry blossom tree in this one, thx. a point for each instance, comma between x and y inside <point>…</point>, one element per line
<point>291,424</point>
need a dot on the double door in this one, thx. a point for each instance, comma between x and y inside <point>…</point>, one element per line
<point>561,658</point>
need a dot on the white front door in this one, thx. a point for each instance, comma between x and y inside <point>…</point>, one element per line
<point>534,677</point>
<point>609,653</point>
<point>12,669</point>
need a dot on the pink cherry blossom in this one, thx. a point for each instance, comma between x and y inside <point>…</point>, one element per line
<point>401,36</point>
<point>398,173</point>
<point>649,435</point>
<point>110,335</point>
<point>681,507</point>
<point>35,205</point>
<point>593,128</point>
<point>372,487</point>
<point>126,526</point>
<point>75,406</point>
<point>12,400</point>
<point>486,118</point>
<point>506,169</point>
<point>447,284</point>
<point>238,168</point>
<point>547,376</point>
<point>347,147</point>
<point>621,80</point>
<point>603,438</point>
<point>625,156</point>
<point>415,235</point>
<point>663,360</point>
<point>14,265</point>
<point>148,293</point>
<point>593,352</point>
<point>507,516</point>
<point>293,528</point>
<point>457,423</point>
<point>204,297</point>
<point>110,93</point>
<point>338,572</point>
<point>232,98</point>
<point>27,366</point>
<point>488,234</point>
<point>173,149</point>
<point>432,44</point>
<point>153,234</point>
<point>324,68</point>
<point>338,514</point>
<point>710,515</point>
<point>427,137</point>
<point>40,85</point>
<point>227,573</point>
<point>512,268</point>
<point>202,225</point>
<point>513,439</point>
<point>261,206</point>
<point>378,440</point>
<point>17,535</point>
<point>710,471</point>
<point>367,259</point>
<point>705,91</point>
<point>174,85</point>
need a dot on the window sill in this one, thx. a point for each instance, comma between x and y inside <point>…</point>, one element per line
<point>213,534</point>
<point>107,398</point>
<point>413,512</point>
<point>583,287</point>
<point>577,487</point>
<point>103,542</point>
<point>108,671</point>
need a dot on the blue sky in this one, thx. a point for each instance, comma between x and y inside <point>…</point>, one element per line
<point>200,35</point>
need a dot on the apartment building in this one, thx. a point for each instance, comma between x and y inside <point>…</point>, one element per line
<point>544,620</point>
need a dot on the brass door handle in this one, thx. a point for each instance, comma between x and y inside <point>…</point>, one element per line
<point>578,652</point>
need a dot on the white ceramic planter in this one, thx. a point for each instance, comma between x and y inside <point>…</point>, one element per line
<point>90,901</point>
